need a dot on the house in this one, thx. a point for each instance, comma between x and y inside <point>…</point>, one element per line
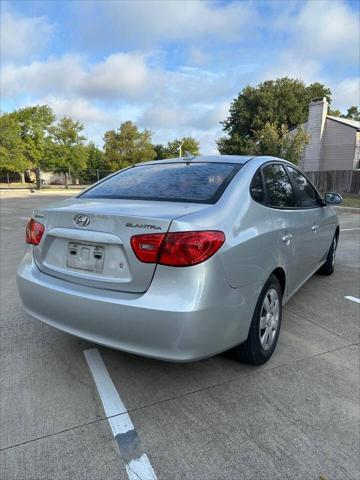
<point>334,142</point>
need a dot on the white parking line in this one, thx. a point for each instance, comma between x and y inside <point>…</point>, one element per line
<point>349,229</point>
<point>137,462</point>
<point>354,299</point>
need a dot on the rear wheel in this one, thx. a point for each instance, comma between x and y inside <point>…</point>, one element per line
<point>265,326</point>
<point>329,266</point>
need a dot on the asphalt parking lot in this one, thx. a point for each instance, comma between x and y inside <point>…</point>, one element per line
<point>297,417</point>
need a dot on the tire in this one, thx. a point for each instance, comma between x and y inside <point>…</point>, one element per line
<point>329,266</point>
<point>256,350</point>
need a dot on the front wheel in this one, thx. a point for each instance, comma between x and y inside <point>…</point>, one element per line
<point>265,326</point>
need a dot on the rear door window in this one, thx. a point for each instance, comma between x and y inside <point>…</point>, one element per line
<point>174,182</point>
<point>279,191</point>
<point>305,192</point>
<point>256,188</point>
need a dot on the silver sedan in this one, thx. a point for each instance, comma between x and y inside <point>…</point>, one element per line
<point>180,259</point>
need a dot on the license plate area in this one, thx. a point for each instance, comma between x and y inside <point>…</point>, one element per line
<point>82,256</point>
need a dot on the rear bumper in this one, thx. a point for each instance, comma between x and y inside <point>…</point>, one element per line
<point>158,323</point>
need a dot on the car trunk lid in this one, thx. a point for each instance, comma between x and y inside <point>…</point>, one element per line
<point>87,241</point>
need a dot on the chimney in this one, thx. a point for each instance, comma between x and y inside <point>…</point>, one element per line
<point>318,109</point>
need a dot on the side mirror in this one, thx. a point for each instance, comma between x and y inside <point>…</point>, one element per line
<point>333,198</point>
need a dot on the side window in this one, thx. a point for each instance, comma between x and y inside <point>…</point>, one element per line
<point>256,188</point>
<point>304,190</point>
<point>279,191</point>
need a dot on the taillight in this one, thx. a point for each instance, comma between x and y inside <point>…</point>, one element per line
<point>146,247</point>
<point>178,249</point>
<point>34,232</point>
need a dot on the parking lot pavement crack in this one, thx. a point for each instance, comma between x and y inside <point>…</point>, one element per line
<point>287,418</point>
<point>182,395</point>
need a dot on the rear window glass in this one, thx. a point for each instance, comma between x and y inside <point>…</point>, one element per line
<point>176,182</point>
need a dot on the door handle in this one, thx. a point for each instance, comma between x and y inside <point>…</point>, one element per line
<point>286,238</point>
<point>315,228</point>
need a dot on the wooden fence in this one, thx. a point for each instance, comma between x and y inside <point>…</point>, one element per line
<point>341,181</point>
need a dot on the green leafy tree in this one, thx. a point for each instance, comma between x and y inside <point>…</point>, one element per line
<point>352,113</point>
<point>127,145</point>
<point>172,149</point>
<point>236,145</point>
<point>284,101</point>
<point>34,123</point>
<point>334,113</point>
<point>279,142</point>
<point>161,151</point>
<point>95,163</point>
<point>95,157</point>
<point>65,150</point>
<point>188,144</point>
<point>12,155</point>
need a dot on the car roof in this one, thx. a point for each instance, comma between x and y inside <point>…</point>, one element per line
<point>241,159</point>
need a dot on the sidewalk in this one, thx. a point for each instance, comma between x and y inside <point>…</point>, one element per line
<point>26,193</point>
<point>340,210</point>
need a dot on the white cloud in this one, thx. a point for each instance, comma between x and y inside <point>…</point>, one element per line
<point>56,75</point>
<point>163,116</point>
<point>76,108</point>
<point>146,23</point>
<point>327,29</point>
<point>346,93</point>
<point>290,64</point>
<point>323,38</point>
<point>121,75</point>
<point>23,37</point>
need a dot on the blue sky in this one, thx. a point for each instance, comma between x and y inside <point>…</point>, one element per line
<point>170,66</point>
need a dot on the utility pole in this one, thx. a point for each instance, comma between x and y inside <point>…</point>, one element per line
<point>38,178</point>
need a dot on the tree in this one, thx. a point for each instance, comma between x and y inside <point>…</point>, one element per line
<point>12,155</point>
<point>161,151</point>
<point>172,149</point>
<point>95,162</point>
<point>65,147</point>
<point>334,113</point>
<point>34,123</point>
<point>279,142</point>
<point>188,144</point>
<point>352,113</point>
<point>127,145</point>
<point>284,101</point>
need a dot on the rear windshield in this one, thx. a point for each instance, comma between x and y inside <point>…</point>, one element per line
<point>174,182</point>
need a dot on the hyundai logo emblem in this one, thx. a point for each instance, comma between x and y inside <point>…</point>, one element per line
<point>81,220</point>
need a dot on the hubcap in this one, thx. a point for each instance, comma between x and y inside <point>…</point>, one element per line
<point>269,318</point>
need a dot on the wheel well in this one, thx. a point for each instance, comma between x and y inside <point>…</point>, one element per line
<point>337,233</point>
<point>280,275</point>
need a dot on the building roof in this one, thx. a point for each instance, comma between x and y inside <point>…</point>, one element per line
<point>345,121</point>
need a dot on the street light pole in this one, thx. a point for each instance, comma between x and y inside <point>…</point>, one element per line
<point>180,148</point>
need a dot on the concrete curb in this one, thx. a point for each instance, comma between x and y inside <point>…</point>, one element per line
<point>347,210</point>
